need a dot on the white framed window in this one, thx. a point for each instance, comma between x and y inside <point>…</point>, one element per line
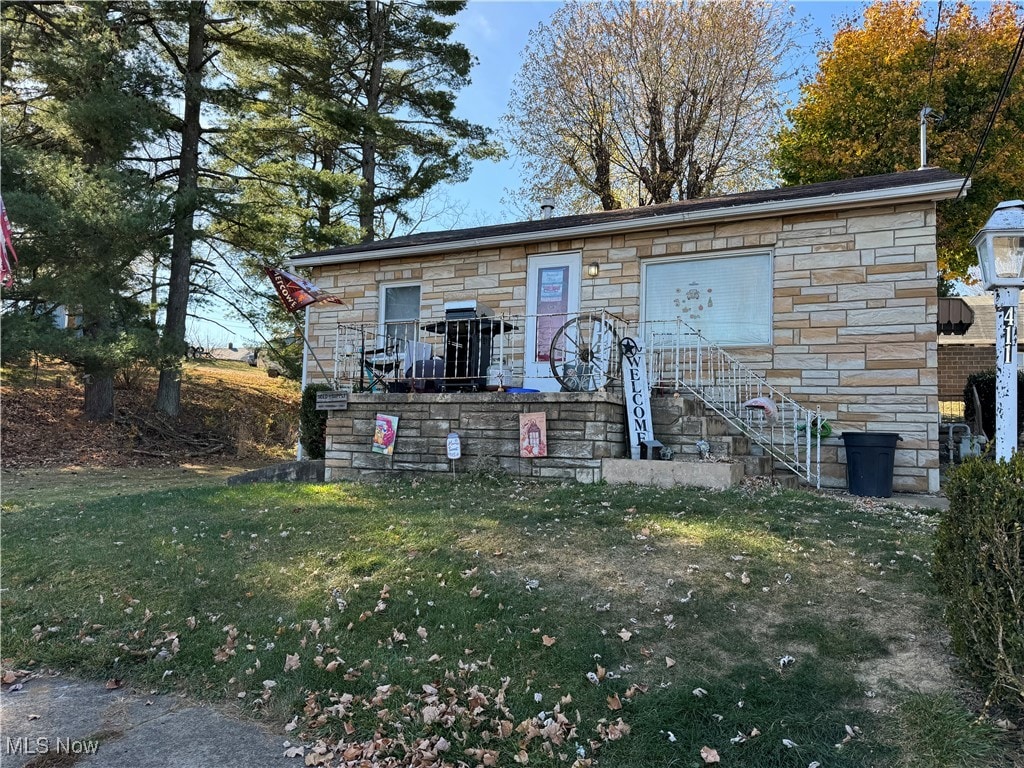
<point>728,297</point>
<point>400,311</point>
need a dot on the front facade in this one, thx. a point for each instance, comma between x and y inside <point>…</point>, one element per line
<point>828,291</point>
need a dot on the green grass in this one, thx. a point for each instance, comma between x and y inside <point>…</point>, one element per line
<point>443,608</point>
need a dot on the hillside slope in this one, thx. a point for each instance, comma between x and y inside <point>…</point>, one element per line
<point>230,413</point>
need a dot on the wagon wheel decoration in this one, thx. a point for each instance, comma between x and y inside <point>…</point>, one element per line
<point>583,354</point>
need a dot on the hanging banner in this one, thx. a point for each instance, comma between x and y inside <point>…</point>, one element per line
<point>296,292</point>
<point>533,435</point>
<point>384,433</point>
<point>637,395</point>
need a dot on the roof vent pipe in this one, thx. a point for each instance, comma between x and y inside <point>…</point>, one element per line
<point>547,206</point>
<point>925,112</point>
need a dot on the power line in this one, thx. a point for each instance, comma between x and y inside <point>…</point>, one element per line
<point>935,52</point>
<point>1014,61</point>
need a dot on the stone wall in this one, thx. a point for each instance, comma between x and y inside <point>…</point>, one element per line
<point>854,309</point>
<point>582,429</point>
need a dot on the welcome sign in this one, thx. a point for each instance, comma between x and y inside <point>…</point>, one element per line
<point>638,395</point>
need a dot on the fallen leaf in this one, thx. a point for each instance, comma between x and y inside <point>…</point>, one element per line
<point>789,744</point>
<point>291,661</point>
<point>614,702</point>
<point>475,592</point>
<point>548,641</point>
<point>710,755</point>
<point>669,662</point>
<point>625,634</point>
<point>294,752</point>
<point>114,683</point>
<point>699,692</point>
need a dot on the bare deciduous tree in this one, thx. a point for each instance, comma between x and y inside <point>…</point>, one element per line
<point>640,103</point>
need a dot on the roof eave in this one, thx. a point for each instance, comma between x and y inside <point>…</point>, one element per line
<point>930,191</point>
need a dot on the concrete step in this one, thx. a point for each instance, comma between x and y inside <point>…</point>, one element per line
<point>680,422</point>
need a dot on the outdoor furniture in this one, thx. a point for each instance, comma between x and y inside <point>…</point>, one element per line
<point>468,329</point>
<point>382,365</point>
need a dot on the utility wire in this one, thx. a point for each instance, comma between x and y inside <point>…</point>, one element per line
<point>1014,61</point>
<point>935,52</point>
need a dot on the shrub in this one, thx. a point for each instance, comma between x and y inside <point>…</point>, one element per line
<point>979,565</point>
<point>985,382</point>
<point>313,423</point>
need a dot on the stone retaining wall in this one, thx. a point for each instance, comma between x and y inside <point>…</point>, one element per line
<point>582,429</point>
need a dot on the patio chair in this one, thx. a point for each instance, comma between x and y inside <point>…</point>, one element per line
<point>382,364</point>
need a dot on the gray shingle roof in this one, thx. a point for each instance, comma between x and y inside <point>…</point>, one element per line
<point>645,215</point>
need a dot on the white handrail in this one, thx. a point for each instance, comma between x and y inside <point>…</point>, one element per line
<point>681,359</point>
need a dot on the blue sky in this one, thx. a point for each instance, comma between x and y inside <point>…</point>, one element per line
<point>496,31</point>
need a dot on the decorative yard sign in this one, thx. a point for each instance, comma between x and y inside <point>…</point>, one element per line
<point>385,431</point>
<point>638,395</point>
<point>332,401</point>
<point>454,446</point>
<point>533,435</point>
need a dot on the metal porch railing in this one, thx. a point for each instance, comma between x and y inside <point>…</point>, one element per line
<point>575,352</point>
<point>681,360</point>
<point>580,353</point>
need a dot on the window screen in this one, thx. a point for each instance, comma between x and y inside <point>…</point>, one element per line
<point>727,298</point>
<point>401,311</point>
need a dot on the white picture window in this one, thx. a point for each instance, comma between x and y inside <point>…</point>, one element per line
<point>727,298</point>
<point>400,311</point>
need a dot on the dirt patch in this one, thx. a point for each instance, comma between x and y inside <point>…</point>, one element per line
<point>922,665</point>
<point>227,414</point>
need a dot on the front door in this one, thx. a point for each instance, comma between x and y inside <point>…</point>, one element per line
<point>552,298</point>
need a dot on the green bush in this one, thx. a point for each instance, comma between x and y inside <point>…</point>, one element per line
<point>979,565</point>
<point>985,382</point>
<point>313,423</point>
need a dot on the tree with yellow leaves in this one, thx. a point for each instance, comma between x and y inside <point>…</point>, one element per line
<point>860,114</point>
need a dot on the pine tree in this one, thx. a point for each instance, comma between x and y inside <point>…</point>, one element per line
<point>348,117</point>
<point>79,98</point>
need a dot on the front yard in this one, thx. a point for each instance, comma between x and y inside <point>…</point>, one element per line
<point>479,621</point>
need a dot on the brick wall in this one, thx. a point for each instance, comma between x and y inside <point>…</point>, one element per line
<point>854,309</point>
<point>581,430</point>
<point>957,362</point>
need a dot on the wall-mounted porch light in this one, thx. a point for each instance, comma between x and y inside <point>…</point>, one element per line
<point>593,269</point>
<point>1000,246</point>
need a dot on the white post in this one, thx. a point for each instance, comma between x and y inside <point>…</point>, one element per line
<point>1007,301</point>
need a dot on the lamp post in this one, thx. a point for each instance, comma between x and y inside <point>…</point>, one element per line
<point>1000,246</point>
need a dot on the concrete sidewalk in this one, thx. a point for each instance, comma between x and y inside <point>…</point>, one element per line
<point>87,725</point>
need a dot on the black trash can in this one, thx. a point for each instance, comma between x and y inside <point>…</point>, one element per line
<point>869,461</point>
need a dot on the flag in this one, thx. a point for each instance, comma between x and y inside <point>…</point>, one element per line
<point>7,253</point>
<point>296,292</point>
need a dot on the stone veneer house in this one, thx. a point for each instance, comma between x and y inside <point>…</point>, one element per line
<point>827,290</point>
